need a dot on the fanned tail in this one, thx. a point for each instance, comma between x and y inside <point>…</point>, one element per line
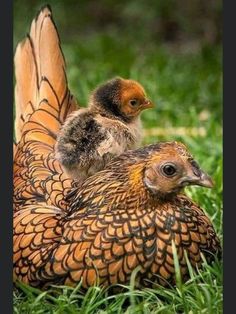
<point>42,97</point>
<point>43,101</point>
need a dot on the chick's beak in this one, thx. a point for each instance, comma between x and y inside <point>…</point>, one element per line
<point>202,179</point>
<point>147,104</point>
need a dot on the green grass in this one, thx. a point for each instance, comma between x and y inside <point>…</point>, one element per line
<point>186,87</point>
<point>201,294</point>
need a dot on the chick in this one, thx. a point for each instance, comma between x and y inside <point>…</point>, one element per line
<point>109,126</point>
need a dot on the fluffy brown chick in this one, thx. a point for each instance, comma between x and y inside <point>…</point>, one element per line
<point>108,127</point>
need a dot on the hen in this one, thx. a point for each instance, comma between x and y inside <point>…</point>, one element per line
<point>123,217</point>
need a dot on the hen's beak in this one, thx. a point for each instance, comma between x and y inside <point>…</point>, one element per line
<point>202,179</point>
<point>147,104</point>
<point>205,180</point>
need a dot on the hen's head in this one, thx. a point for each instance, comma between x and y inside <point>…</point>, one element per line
<point>151,173</point>
<point>167,168</point>
<point>122,98</point>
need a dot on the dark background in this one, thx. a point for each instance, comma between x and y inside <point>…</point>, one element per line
<point>149,22</point>
<point>172,47</point>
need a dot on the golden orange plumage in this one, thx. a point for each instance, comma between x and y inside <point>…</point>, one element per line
<point>41,108</point>
<point>124,216</point>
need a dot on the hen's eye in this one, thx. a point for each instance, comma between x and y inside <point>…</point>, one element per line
<point>133,102</point>
<point>169,170</point>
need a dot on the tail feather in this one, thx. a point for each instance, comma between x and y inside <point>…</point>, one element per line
<point>49,57</point>
<point>43,102</point>
<point>26,83</point>
<point>42,97</point>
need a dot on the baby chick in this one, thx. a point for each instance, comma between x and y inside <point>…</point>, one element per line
<point>109,126</point>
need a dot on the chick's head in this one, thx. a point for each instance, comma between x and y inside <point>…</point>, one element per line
<point>167,169</point>
<point>133,98</point>
<point>123,98</point>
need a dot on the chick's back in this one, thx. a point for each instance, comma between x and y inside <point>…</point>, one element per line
<point>88,141</point>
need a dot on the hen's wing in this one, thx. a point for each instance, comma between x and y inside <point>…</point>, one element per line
<point>43,101</point>
<point>93,247</point>
<point>37,232</point>
<point>105,245</point>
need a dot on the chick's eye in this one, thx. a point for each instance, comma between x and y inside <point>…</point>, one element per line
<point>133,102</point>
<point>169,170</point>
